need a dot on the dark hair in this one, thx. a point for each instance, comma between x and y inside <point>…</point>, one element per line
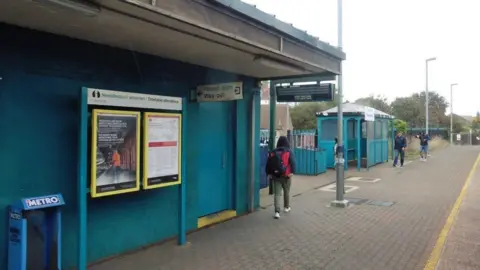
<point>283,142</point>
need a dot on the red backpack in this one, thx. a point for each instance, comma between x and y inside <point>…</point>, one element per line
<point>278,163</point>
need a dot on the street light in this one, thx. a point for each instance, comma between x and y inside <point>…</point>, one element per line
<point>340,174</point>
<point>451,111</point>
<point>426,92</point>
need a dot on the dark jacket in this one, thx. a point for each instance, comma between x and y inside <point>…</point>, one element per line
<point>424,139</point>
<point>400,142</point>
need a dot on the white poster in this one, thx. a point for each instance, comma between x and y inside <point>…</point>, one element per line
<point>162,149</point>
<point>369,114</point>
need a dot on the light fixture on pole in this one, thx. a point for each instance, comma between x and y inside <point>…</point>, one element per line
<point>451,111</point>
<point>426,91</point>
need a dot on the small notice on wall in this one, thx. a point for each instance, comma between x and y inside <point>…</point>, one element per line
<point>369,114</point>
<point>162,150</point>
<point>115,152</point>
<point>220,92</point>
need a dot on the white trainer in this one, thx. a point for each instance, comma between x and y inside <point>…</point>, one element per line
<point>277,215</point>
<point>287,209</point>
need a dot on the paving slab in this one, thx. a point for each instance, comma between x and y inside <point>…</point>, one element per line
<point>317,236</point>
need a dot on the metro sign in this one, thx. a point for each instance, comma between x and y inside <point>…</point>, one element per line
<point>43,202</point>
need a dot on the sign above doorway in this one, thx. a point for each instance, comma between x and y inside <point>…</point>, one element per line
<point>219,92</point>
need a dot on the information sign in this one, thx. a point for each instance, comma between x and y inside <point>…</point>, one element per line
<point>162,150</point>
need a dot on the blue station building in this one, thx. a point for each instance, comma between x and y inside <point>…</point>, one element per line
<point>52,49</point>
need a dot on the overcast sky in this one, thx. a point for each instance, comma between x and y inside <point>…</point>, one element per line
<point>387,42</point>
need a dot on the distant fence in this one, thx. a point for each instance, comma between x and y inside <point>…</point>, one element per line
<point>432,131</point>
<point>310,160</point>
<point>466,138</point>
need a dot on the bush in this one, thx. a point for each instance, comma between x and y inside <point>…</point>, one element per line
<point>400,125</point>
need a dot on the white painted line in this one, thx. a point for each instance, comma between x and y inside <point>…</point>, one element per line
<point>360,179</point>
<point>349,189</point>
<point>331,188</point>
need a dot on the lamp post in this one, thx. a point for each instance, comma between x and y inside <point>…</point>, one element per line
<point>340,166</point>
<point>451,111</point>
<point>426,91</point>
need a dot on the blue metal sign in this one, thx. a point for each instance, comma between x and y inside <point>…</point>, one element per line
<point>305,92</point>
<point>50,228</point>
<point>42,202</point>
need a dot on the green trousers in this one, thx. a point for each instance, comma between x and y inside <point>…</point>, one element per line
<point>280,184</point>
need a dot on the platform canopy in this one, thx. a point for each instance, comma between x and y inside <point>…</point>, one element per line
<point>227,35</point>
<point>354,109</point>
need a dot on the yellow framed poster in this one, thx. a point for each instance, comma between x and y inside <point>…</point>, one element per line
<point>162,150</point>
<point>115,152</point>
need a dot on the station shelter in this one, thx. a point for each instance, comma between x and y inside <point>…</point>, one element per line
<point>143,114</point>
<point>366,143</point>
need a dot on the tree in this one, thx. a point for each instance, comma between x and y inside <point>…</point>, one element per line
<point>412,109</point>
<point>408,109</point>
<point>400,125</point>
<point>304,115</point>
<point>476,123</point>
<point>377,102</point>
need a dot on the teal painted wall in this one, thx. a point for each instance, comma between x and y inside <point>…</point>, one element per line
<point>42,75</point>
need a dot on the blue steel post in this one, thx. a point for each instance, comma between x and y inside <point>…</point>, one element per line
<point>345,142</point>
<point>393,140</point>
<point>182,231</point>
<point>272,128</point>
<point>317,141</point>
<point>48,239</point>
<point>273,114</point>
<point>58,214</point>
<point>374,142</point>
<point>82,182</point>
<point>253,147</point>
<point>359,139</point>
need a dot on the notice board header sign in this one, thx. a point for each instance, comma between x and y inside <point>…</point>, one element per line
<point>102,97</point>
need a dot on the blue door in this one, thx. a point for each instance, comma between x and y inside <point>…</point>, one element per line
<point>215,134</point>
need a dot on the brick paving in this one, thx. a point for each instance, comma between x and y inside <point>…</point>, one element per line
<point>462,248</point>
<point>302,184</point>
<point>315,236</point>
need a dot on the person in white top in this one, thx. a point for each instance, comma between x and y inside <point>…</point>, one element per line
<point>335,152</point>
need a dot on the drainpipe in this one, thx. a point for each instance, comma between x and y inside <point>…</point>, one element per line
<point>253,146</point>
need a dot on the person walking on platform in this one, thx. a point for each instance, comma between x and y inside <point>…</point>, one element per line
<point>280,168</point>
<point>423,146</point>
<point>399,145</point>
